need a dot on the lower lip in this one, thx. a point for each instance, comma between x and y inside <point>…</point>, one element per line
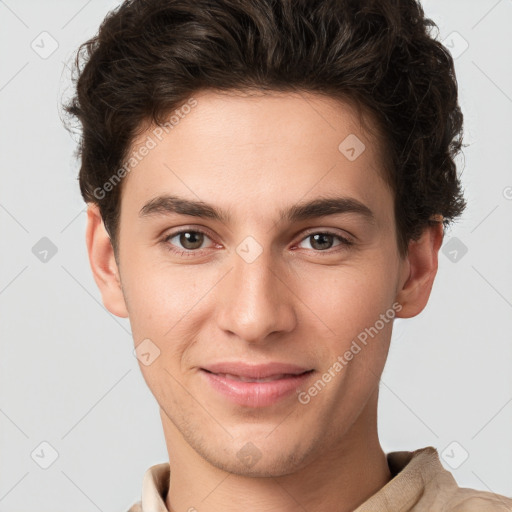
<point>256,394</point>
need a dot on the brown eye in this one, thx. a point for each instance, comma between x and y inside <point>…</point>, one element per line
<point>191,239</point>
<point>187,240</point>
<point>323,241</point>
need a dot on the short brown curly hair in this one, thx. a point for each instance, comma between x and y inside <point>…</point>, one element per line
<point>150,56</point>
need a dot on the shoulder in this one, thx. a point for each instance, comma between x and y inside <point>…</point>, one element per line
<point>471,500</point>
<point>422,481</point>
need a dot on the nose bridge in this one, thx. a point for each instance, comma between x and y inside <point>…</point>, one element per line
<point>256,301</point>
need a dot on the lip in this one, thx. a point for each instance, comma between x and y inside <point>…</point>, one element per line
<point>255,371</point>
<point>285,379</point>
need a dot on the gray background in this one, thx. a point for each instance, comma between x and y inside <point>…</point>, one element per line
<point>68,376</point>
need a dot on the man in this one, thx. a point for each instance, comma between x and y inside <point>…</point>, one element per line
<point>267,184</point>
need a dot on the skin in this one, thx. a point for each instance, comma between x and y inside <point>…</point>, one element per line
<point>296,303</point>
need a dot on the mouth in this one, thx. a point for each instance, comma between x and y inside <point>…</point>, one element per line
<point>271,378</point>
<point>255,392</point>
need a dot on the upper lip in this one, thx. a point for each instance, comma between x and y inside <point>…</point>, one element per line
<point>255,371</point>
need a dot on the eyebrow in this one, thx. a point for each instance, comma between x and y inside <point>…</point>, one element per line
<point>320,207</point>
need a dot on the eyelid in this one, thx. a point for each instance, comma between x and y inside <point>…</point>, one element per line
<point>187,229</point>
<point>305,233</point>
<point>345,239</point>
<point>328,231</point>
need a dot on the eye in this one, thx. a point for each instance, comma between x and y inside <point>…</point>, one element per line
<point>186,241</point>
<point>190,242</point>
<point>324,240</point>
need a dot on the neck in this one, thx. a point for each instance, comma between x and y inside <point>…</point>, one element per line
<point>340,480</point>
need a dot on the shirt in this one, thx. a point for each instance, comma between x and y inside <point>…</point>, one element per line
<point>419,483</point>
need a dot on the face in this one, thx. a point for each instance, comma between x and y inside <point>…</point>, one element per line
<point>264,270</point>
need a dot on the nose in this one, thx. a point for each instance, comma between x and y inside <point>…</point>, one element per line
<point>256,300</point>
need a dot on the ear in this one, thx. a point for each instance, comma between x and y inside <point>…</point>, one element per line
<point>103,263</point>
<point>419,271</point>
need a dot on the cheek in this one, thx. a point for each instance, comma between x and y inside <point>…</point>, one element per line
<point>165,303</point>
<point>169,303</point>
<point>347,297</point>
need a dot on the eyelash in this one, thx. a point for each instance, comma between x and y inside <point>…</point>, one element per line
<point>344,242</point>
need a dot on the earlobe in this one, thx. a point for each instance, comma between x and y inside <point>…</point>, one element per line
<point>421,265</point>
<point>103,264</point>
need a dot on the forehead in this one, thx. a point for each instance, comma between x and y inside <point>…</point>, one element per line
<point>267,118</point>
<point>256,149</point>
